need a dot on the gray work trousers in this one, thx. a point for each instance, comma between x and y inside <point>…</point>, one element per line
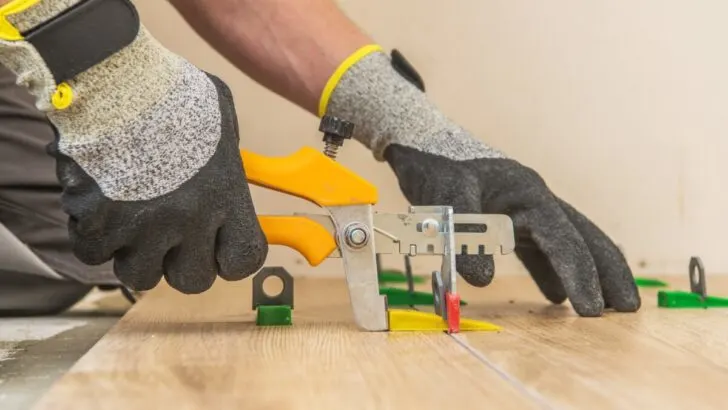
<point>38,271</point>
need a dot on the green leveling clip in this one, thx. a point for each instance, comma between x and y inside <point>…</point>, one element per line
<point>404,297</point>
<point>697,297</point>
<point>649,283</point>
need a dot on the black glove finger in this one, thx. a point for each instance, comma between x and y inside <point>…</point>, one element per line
<point>141,268</point>
<point>94,249</point>
<point>97,236</point>
<point>477,270</point>
<point>540,269</point>
<point>241,246</point>
<point>87,220</point>
<point>618,285</point>
<point>464,197</point>
<point>190,267</point>
<point>568,254</point>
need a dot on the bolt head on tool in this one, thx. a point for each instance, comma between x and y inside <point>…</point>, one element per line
<point>356,236</point>
<point>430,227</point>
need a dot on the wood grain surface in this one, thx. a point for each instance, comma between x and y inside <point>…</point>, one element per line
<point>204,351</point>
<point>659,358</point>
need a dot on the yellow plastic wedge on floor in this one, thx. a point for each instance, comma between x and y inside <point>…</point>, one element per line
<point>411,320</point>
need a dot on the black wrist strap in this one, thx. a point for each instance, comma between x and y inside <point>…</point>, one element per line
<point>84,35</point>
<point>407,70</point>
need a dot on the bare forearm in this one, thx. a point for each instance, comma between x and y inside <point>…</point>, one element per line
<point>289,46</point>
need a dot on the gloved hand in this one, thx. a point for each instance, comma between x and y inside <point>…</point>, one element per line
<point>438,162</point>
<point>147,147</point>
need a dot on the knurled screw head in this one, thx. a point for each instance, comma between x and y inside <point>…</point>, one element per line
<point>336,129</point>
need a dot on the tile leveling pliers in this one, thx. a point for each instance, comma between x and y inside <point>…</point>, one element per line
<point>354,231</point>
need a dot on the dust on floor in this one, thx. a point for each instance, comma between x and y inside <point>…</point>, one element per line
<point>34,352</point>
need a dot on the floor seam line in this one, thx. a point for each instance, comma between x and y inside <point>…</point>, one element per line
<point>533,395</point>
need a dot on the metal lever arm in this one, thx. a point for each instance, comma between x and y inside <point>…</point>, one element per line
<point>310,175</point>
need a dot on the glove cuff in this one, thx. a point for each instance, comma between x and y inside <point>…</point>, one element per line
<point>388,108</point>
<point>342,69</point>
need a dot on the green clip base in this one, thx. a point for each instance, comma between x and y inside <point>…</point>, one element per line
<point>688,300</point>
<point>395,276</point>
<point>650,283</point>
<point>278,315</point>
<point>403,297</point>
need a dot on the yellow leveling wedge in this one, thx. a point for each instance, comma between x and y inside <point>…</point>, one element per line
<point>401,320</point>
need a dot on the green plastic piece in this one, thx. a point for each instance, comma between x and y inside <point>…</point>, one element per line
<point>650,283</point>
<point>403,297</point>
<point>688,300</point>
<point>395,276</point>
<point>276,315</point>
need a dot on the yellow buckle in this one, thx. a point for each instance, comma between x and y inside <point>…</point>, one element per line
<point>7,30</point>
<point>63,96</point>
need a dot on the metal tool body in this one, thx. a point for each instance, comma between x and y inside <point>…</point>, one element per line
<point>353,231</point>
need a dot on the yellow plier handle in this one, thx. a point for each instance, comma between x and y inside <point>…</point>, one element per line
<point>310,175</point>
<point>309,238</point>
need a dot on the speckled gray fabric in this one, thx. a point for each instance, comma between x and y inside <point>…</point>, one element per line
<point>386,109</point>
<point>138,160</point>
<point>439,163</point>
<point>141,78</point>
<point>39,13</point>
<point>24,61</point>
<point>122,141</point>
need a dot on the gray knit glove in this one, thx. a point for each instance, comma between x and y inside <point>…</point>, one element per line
<point>147,149</point>
<point>437,162</point>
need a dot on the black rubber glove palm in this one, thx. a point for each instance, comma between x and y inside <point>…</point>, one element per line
<point>565,253</point>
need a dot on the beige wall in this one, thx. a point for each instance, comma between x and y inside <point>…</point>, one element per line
<point>621,106</point>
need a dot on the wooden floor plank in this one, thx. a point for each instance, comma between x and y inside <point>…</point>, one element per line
<point>698,332</point>
<point>199,351</point>
<point>204,351</point>
<point>656,358</point>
